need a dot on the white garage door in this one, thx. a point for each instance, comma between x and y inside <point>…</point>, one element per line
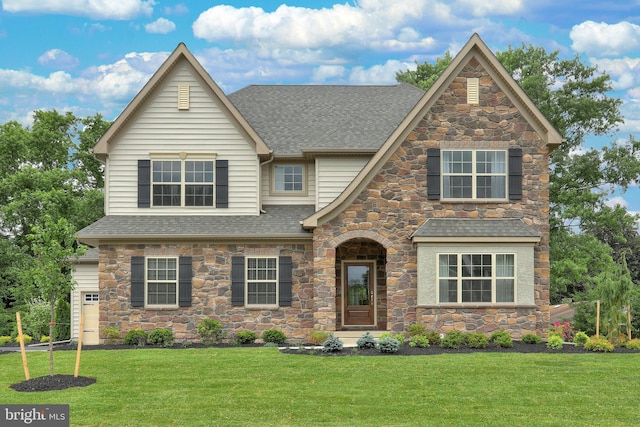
<point>90,309</point>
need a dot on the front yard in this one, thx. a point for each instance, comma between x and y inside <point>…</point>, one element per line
<point>262,387</point>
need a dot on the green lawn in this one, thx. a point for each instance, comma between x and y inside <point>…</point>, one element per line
<point>262,387</point>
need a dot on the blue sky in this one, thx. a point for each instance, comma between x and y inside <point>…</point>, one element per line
<point>92,56</point>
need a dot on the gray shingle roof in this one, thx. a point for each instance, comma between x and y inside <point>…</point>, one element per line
<point>469,228</point>
<point>294,118</point>
<point>278,221</point>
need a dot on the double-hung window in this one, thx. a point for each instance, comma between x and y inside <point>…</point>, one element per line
<point>162,281</point>
<point>262,280</point>
<point>288,178</point>
<point>182,182</point>
<point>476,278</point>
<point>474,174</point>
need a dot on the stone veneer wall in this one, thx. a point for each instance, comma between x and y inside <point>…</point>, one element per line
<point>211,290</point>
<point>395,204</point>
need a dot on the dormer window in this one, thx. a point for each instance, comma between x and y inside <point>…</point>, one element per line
<point>288,179</point>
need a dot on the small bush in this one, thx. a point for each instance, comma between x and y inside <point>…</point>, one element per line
<point>419,341</point>
<point>477,340</point>
<point>44,338</point>
<point>633,344</point>
<point>210,331</point>
<point>246,337</point>
<point>433,337</point>
<point>5,339</point>
<point>274,336</point>
<point>366,341</point>
<point>163,337</point>
<point>580,339</point>
<point>453,339</point>
<point>136,337</point>
<point>332,344</point>
<point>554,342</point>
<point>317,337</point>
<point>531,339</point>
<point>388,344</point>
<point>599,344</point>
<point>417,329</point>
<point>27,338</point>
<point>501,339</point>
<point>111,333</point>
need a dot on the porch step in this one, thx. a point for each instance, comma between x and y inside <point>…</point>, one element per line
<point>350,338</point>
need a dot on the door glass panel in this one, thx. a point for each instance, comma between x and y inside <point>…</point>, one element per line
<point>358,285</point>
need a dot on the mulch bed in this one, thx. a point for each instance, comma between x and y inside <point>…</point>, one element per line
<point>55,382</point>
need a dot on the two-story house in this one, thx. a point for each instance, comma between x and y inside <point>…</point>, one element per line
<point>324,207</point>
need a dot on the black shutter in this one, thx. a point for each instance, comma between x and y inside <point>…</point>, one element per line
<point>144,183</point>
<point>222,183</point>
<point>285,282</point>
<point>433,173</point>
<point>184,281</point>
<point>137,281</point>
<point>515,173</point>
<point>237,280</point>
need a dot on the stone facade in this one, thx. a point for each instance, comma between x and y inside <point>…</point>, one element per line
<point>394,204</point>
<point>211,290</point>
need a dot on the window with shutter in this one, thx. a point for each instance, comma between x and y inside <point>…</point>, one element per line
<point>161,281</point>
<point>261,281</point>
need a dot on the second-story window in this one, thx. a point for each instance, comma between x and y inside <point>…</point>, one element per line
<point>474,174</point>
<point>182,182</point>
<point>288,178</point>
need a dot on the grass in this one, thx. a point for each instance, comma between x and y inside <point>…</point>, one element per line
<point>262,387</point>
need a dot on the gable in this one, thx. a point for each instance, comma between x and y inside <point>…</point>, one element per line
<point>475,123</point>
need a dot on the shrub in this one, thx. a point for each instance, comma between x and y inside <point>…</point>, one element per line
<point>388,344</point>
<point>477,340</point>
<point>453,339</point>
<point>317,337</point>
<point>633,344</point>
<point>433,337</point>
<point>5,339</point>
<point>36,320</point>
<point>417,329</point>
<point>246,337</point>
<point>136,337</point>
<point>210,331</point>
<point>274,336</point>
<point>580,339</point>
<point>366,341</point>
<point>62,328</point>
<point>44,338</point>
<point>599,344</point>
<point>562,329</point>
<point>163,337</point>
<point>531,339</point>
<point>111,333</point>
<point>501,339</point>
<point>332,344</point>
<point>554,342</point>
<point>26,337</point>
<point>419,341</point>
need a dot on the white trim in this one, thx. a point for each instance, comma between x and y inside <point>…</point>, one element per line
<point>276,280</point>
<point>147,281</point>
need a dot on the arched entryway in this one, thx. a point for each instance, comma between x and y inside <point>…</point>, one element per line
<point>361,285</point>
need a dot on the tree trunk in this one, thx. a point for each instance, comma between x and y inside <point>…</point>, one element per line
<point>53,317</point>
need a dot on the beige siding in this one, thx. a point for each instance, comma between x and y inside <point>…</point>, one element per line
<point>159,127</point>
<point>333,175</point>
<point>268,198</point>
<point>86,277</point>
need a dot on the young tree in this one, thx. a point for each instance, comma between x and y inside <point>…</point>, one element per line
<point>615,290</point>
<point>49,273</point>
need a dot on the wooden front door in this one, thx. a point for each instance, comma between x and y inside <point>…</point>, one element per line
<point>358,293</point>
<point>91,311</point>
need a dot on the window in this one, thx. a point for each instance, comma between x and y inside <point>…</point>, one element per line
<point>182,182</point>
<point>471,174</point>
<point>476,278</point>
<point>262,281</point>
<point>162,281</point>
<point>288,178</point>
<point>91,297</point>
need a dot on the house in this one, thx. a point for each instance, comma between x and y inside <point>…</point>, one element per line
<point>326,207</point>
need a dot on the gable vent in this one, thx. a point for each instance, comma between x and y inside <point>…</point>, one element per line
<point>473,91</point>
<point>183,97</point>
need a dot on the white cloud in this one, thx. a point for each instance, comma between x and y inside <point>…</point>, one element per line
<point>616,201</point>
<point>56,58</point>
<point>327,72</point>
<point>94,9</point>
<point>378,74</point>
<point>624,72</point>
<point>484,7</point>
<point>179,9</point>
<point>602,39</point>
<point>160,26</point>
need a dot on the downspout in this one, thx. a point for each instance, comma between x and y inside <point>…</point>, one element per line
<point>266,162</point>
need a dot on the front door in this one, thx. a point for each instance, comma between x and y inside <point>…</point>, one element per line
<point>90,309</point>
<point>358,292</point>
